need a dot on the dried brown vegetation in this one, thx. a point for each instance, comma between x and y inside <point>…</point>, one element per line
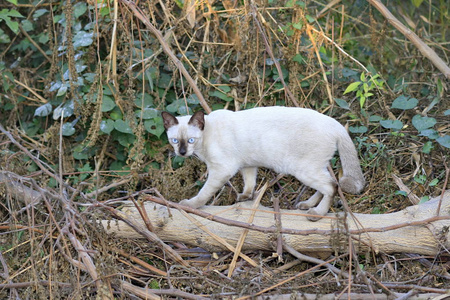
<point>53,195</point>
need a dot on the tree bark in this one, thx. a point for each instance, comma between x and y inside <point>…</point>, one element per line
<point>416,229</point>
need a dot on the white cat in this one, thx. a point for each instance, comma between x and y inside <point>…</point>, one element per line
<point>295,141</point>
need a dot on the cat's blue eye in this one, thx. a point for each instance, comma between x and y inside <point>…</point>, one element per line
<point>191,140</point>
<point>175,141</point>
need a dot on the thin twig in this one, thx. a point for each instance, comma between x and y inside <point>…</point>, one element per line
<point>142,16</point>
<point>423,48</point>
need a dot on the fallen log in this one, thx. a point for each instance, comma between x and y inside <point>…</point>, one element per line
<point>416,229</point>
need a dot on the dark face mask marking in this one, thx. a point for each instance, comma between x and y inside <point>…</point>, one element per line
<point>183,147</point>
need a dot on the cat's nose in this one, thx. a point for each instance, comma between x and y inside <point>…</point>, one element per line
<point>182,151</point>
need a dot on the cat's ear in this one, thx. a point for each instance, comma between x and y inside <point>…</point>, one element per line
<point>198,120</point>
<point>169,120</point>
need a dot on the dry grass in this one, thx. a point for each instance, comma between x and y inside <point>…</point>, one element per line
<point>53,248</point>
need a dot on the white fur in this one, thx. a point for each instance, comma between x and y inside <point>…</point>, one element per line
<point>294,141</point>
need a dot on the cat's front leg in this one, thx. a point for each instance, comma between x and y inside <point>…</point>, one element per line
<point>249,176</point>
<point>216,179</point>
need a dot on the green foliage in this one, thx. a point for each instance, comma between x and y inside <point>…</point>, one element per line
<point>364,88</point>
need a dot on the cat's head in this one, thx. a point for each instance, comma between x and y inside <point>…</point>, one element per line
<point>184,133</point>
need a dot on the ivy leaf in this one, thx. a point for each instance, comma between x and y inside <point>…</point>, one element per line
<point>144,101</point>
<point>65,109</point>
<point>392,124</point>
<point>444,141</point>
<point>62,91</point>
<point>83,39</point>
<point>108,104</point>
<point>375,118</point>
<point>67,129</point>
<point>358,129</point>
<point>43,110</point>
<point>221,93</point>
<point>122,126</point>
<point>107,126</point>
<point>155,126</point>
<point>79,9</point>
<point>352,87</point>
<point>147,113</point>
<point>429,133</point>
<point>422,123</point>
<point>403,102</point>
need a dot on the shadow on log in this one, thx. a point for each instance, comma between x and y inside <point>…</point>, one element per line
<point>416,229</point>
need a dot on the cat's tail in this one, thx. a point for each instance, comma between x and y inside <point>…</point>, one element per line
<point>353,179</point>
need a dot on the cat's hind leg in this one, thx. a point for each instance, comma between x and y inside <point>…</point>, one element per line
<point>311,202</point>
<point>321,181</point>
<point>249,176</point>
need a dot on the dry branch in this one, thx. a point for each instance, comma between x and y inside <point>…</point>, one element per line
<point>415,229</point>
<point>141,16</point>
<point>424,48</point>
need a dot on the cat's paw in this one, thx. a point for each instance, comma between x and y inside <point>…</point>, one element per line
<point>193,202</point>
<point>244,197</point>
<point>312,215</point>
<point>303,205</point>
<point>187,202</point>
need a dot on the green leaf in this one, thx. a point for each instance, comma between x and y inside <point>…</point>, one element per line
<point>107,126</point>
<point>375,118</point>
<point>67,129</point>
<point>221,93</point>
<point>144,100</point>
<point>447,112</point>
<point>444,141</point>
<point>298,58</point>
<point>108,103</point>
<point>358,129</point>
<point>362,100</point>
<point>422,123</point>
<point>62,91</point>
<point>403,102</point>
<point>420,179</point>
<point>66,110</point>
<point>310,19</point>
<point>363,77</point>
<point>27,25</point>
<point>122,126</point>
<point>83,39</point>
<point>403,193</point>
<point>427,147</point>
<point>155,126</point>
<point>429,133</point>
<point>392,124</point>
<point>417,2</point>
<point>342,103</point>
<point>433,182</point>
<point>179,106</point>
<point>424,199</point>
<point>298,25</point>
<point>4,38</point>
<point>352,87</point>
<point>43,110</point>
<point>39,12</point>
<point>79,9</point>
<point>147,113</point>
<point>11,13</point>
<point>126,140</point>
<point>81,152</point>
